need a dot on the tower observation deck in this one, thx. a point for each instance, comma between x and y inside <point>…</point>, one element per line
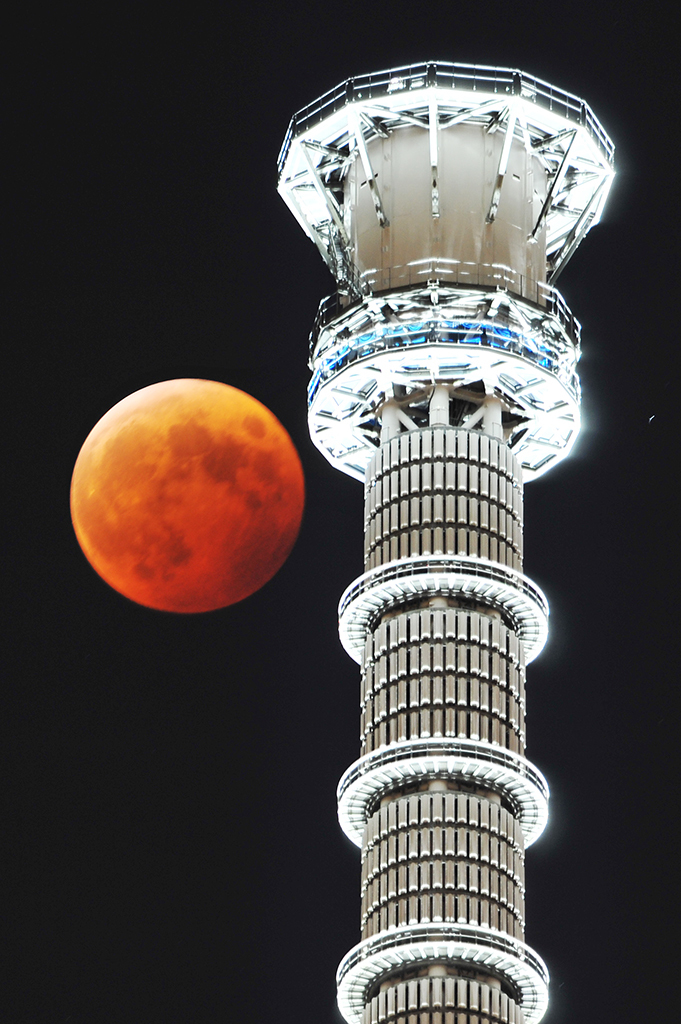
<point>445,199</point>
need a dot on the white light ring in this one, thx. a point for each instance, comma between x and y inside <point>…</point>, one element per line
<point>377,591</point>
<point>382,954</point>
<point>472,761</point>
<point>492,363</point>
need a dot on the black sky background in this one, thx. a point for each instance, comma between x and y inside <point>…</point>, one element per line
<point>171,846</point>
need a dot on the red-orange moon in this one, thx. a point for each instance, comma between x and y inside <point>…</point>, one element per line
<point>187,496</point>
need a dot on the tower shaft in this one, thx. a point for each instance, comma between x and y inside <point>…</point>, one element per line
<point>443,849</point>
<point>439,849</point>
<point>445,199</point>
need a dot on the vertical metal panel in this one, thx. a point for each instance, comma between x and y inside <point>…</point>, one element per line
<point>484,695</point>
<point>493,518</point>
<point>412,995</point>
<point>436,991</point>
<point>493,487</point>
<point>437,872</point>
<point>485,999</point>
<point>484,442</point>
<point>484,482</point>
<point>483,513</point>
<point>462,470</point>
<point>438,476</point>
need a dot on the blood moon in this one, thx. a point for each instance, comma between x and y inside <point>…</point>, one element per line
<point>187,496</point>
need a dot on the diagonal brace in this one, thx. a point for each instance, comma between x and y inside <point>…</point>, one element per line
<point>555,186</point>
<point>503,164</point>
<point>356,128</point>
<point>324,192</point>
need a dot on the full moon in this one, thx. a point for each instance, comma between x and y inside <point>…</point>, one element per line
<point>187,496</point>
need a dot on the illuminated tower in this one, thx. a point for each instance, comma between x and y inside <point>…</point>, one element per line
<point>445,199</point>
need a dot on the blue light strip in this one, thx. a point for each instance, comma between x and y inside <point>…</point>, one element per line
<point>448,332</point>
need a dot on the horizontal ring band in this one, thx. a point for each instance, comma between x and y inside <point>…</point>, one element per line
<point>398,764</point>
<point>385,953</point>
<point>503,589</point>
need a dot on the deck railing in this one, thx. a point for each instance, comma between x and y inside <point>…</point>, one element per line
<point>465,77</point>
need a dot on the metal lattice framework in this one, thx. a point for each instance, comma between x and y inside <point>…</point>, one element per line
<point>471,321</point>
<point>403,342</point>
<point>323,139</point>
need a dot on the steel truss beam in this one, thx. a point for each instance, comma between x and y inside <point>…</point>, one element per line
<point>526,355</point>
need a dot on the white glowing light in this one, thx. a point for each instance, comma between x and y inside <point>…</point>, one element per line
<point>471,945</point>
<point>409,579</point>
<point>473,761</point>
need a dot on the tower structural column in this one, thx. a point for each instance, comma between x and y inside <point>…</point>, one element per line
<point>445,199</point>
<point>443,831</point>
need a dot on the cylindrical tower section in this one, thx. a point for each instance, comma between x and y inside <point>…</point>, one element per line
<point>447,669</point>
<point>444,851</point>
<point>443,491</point>
<point>467,224</point>
<point>443,672</point>
<point>441,995</point>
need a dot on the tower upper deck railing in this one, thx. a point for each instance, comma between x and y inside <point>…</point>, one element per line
<point>466,77</point>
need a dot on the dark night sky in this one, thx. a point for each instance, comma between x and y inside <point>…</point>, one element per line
<point>169,792</point>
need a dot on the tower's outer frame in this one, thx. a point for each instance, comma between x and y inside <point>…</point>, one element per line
<point>445,199</point>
